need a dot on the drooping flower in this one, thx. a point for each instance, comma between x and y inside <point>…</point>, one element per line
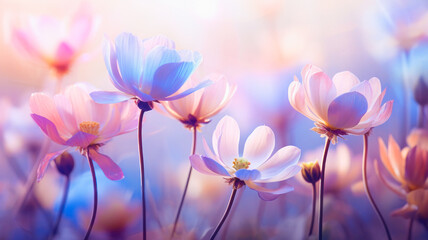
<point>147,70</point>
<point>255,166</point>
<point>339,106</point>
<point>407,166</point>
<point>197,108</point>
<point>73,119</point>
<point>57,43</point>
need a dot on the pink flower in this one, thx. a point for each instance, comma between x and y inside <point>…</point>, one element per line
<point>339,106</point>
<point>73,119</point>
<point>255,166</point>
<point>198,107</point>
<point>58,43</point>
<point>417,203</point>
<point>408,167</point>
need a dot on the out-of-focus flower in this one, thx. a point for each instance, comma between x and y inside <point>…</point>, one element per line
<point>417,204</point>
<point>342,173</point>
<point>418,137</point>
<point>58,43</point>
<point>311,172</point>
<point>253,167</point>
<point>408,167</point>
<point>64,163</point>
<point>339,106</point>
<point>73,119</point>
<point>197,108</point>
<point>420,92</point>
<point>147,70</point>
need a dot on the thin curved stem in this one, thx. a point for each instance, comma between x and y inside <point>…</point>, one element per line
<point>421,118</point>
<point>314,203</point>
<point>366,186</point>
<point>143,189</point>
<point>62,207</point>
<point>94,181</point>
<point>187,184</point>
<point>409,233</point>
<point>321,193</point>
<point>226,213</point>
<point>232,214</point>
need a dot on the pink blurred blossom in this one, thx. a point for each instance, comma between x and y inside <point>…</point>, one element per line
<point>73,119</point>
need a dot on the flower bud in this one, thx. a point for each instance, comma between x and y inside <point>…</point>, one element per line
<point>64,163</point>
<point>421,92</point>
<point>311,172</point>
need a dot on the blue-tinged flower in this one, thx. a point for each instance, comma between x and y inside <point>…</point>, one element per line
<point>147,70</point>
<point>256,167</point>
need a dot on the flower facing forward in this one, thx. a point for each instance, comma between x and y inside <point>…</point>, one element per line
<point>255,166</point>
<point>339,106</point>
<point>73,119</point>
<point>407,166</point>
<point>147,70</point>
<point>58,43</point>
<point>197,108</point>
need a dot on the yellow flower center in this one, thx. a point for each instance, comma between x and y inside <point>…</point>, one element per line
<point>241,163</point>
<point>90,127</point>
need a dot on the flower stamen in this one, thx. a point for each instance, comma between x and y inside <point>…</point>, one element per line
<point>90,127</point>
<point>241,163</point>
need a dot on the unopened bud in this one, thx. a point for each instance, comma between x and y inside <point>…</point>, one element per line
<point>421,92</point>
<point>64,163</point>
<point>311,172</point>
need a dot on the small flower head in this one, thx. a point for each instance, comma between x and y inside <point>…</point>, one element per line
<point>311,172</point>
<point>255,166</point>
<point>148,70</point>
<point>339,106</point>
<point>64,163</point>
<point>73,119</point>
<point>197,108</point>
<point>420,92</point>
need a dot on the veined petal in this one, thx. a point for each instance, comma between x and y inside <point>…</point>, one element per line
<point>155,41</point>
<point>384,114</point>
<point>320,91</point>
<point>282,159</point>
<point>346,110</point>
<point>129,57</point>
<point>80,139</point>
<point>297,98</point>
<point>259,146</point>
<point>285,174</point>
<point>44,105</point>
<point>416,169</point>
<point>188,91</point>
<point>247,174</point>
<point>226,140</point>
<point>41,170</point>
<point>107,97</point>
<point>396,159</point>
<point>111,170</point>
<point>344,81</point>
<point>169,77</point>
<point>393,187</point>
<point>269,194</point>
<point>207,165</point>
<point>48,128</point>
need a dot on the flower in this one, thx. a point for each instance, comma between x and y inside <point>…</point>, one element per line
<point>339,106</point>
<point>253,167</point>
<point>409,166</point>
<point>73,119</point>
<point>417,203</point>
<point>147,70</point>
<point>58,43</point>
<point>311,172</point>
<point>196,109</point>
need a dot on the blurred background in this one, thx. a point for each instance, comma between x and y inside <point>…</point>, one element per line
<point>260,46</point>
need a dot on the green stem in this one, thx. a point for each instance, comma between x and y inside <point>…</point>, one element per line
<point>321,193</point>
<point>314,203</point>
<point>226,213</point>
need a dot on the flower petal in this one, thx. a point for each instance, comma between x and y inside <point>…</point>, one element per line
<point>169,77</point>
<point>207,165</point>
<point>407,211</point>
<point>297,99</point>
<point>346,110</point>
<point>80,139</point>
<point>344,81</point>
<point>282,159</point>
<point>111,170</point>
<point>247,174</point>
<point>226,140</point>
<point>269,194</point>
<point>48,128</point>
<point>129,57</point>
<point>259,146</point>
<point>393,187</point>
<point>188,91</point>
<point>106,97</point>
<point>320,91</point>
<point>43,166</point>
<point>64,54</point>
